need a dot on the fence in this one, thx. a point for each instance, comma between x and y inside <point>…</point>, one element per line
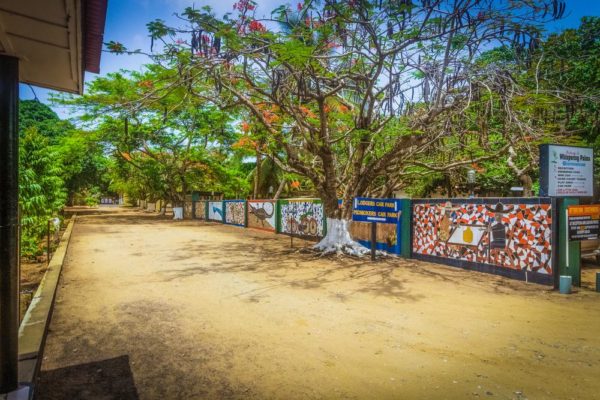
<point>235,212</point>
<point>262,214</point>
<point>302,217</point>
<point>215,211</point>
<point>509,237</point>
<point>200,209</point>
<point>512,237</point>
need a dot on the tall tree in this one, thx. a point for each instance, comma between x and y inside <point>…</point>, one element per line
<point>555,97</point>
<point>358,87</point>
<point>161,141</point>
<point>42,193</point>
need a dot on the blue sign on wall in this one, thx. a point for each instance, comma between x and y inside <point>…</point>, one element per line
<point>384,211</point>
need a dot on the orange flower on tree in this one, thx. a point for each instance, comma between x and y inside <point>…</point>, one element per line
<point>245,127</point>
<point>307,112</point>
<point>256,26</point>
<point>295,184</point>
<point>477,167</point>
<point>245,143</point>
<point>146,84</point>
<point>269,116</point>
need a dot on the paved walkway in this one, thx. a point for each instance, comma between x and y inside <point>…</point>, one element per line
<point>156,309</point>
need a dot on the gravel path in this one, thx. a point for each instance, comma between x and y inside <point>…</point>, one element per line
<point>151,308</point>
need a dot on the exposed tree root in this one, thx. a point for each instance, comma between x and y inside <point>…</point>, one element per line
<point>339,241</point>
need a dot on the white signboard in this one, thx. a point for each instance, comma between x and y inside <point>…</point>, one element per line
<point>566,171</point>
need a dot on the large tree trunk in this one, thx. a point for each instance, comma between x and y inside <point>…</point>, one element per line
<point>257,175</point>
<point>279,189</point>
<point>338,239</point>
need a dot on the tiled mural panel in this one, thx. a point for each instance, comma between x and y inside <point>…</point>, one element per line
<point>200,210</point>
<point>514,236</point>
<point>235,212</point>
<point>262,214</point>
<point>302,217</point>
<point>215,211</point>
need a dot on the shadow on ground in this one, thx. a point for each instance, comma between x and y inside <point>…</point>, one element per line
<point>106,379</point>
<point>275,263</point>
<point>268,256</point>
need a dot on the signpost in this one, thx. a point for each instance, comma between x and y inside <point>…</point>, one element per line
<point>566,171</point>
<point>583,222</point>
<point>375,211</point>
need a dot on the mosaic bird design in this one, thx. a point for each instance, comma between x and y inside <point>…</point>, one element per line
<point>261,213</point>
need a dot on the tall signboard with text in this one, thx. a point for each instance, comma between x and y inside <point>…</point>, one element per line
<point>566,171</point>
<point>567,174</point>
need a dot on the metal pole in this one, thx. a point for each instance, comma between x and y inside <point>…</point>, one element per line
<point>373,240</point>
<point>9,222</point>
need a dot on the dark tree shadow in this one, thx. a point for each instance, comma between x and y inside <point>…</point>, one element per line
<point>106,379</point>
<point>276,255</point>
<point>272,262</point>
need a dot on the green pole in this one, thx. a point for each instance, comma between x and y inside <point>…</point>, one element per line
<point>569,254</point>
<point>278,216</point>
<point>405,228</point>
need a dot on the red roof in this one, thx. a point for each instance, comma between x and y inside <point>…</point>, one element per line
<point>94,20</point>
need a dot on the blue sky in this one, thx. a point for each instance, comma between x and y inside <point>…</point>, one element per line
<point>126,23</point>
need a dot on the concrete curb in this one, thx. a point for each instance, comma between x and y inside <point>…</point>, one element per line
<point>33,329</point>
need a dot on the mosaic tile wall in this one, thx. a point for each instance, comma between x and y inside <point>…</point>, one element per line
<point>512,236</point>
<point>215,211</point>
<point>201,209</point>
<point>302,217</point>
<point>262,214</point>
<point>235,212</point>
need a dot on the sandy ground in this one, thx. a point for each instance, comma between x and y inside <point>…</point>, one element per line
<point>155,309</point>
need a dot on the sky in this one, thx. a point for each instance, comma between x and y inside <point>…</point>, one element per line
<point>126,23</point>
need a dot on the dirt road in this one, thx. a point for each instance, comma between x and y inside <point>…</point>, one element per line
<point>158,309</point>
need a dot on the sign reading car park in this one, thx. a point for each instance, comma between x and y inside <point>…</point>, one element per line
<point>584,222</point>
<point>566,171</point>
<point>375,210</point>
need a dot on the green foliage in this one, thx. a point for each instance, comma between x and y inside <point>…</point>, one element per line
<point>42,192</point>
<point>356,97</point>
<point>84,164</point>
<point>557,96</point>
<point>33,113</point>
<point>163,142</point>
<point>57,162</point>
